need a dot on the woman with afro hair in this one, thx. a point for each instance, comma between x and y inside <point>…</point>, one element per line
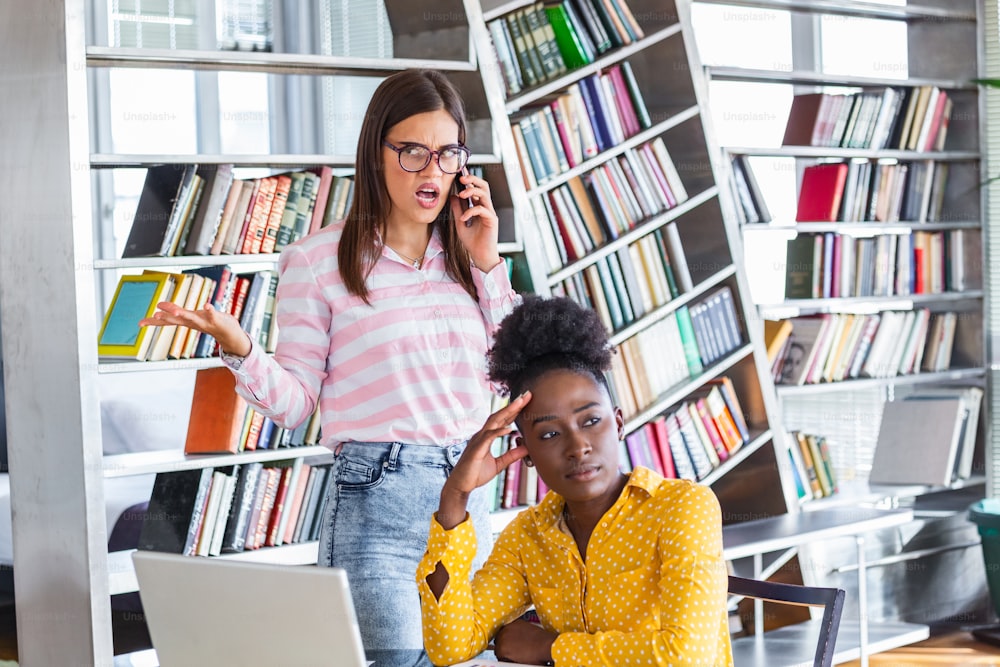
<point>621,569</point>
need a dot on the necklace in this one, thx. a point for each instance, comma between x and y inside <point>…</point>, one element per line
<point>415,262</point>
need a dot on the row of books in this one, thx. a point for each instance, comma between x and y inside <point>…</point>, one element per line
<point>221,421</point>
<point>687,441</point>
<point>812,468</point>
<point>249,297</point>
<point>672,350</point>
<point>191,209</point>
<point>836,347</point>
<point>590,210</point>
<point>541,41</point>
<point>750,205</point>
<point>905,118</point>
<point>213,511</point>
<point>880,191</point>
<point>594,114</point>
<point>635,280</point>
<point>832,265</point>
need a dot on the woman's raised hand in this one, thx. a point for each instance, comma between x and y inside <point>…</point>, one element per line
<point>222,326</point>
<point>477,465</point>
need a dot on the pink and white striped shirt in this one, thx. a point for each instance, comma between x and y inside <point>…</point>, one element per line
<point>411,367</point>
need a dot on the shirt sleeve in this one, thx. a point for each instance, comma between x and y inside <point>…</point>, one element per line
<point>692,598</point>
<point>496,296</point>
<point>286,386</point>
<point>460,624</point>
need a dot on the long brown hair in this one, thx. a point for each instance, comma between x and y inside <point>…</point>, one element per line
<point>398,97</point>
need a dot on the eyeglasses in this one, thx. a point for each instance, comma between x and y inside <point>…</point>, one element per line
<point>415,157</point>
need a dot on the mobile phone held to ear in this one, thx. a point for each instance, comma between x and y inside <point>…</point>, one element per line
<point>457,187</point>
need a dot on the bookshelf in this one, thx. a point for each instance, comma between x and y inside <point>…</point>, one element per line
<point>663,64</point>
<point>62,459</point>
<point>60,470</point>
<point>939,46</point>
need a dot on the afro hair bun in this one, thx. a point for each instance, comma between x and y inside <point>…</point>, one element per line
<point>542,334</point>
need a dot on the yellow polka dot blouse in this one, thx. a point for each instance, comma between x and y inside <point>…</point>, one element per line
<point>652,591</point>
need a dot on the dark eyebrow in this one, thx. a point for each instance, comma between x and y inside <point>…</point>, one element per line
<point>576,411</point>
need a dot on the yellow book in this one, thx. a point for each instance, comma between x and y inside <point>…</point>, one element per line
<point>776,332</point>
<point>135,298</point>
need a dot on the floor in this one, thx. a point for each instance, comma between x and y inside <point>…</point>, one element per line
<point>954,649</point>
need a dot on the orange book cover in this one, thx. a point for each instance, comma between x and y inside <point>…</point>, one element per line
<point>283,183</point>
<point>258,215</point>
<point>216,413</point>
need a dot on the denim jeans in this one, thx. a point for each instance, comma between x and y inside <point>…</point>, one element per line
<point>375,524</point>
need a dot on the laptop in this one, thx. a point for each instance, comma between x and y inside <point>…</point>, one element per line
<point>216,611</point>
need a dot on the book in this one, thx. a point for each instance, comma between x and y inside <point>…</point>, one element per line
<point>800,267</point>
<point>135,298</point>
<point>803,120</point>
<point>175,506</point>
<point>207,217</point>
<point>776,332</point>
<point>918,441</point>
<point>234,534</point>
<point>217,413</point>
<point>971,397</point>
<point>821,192</point>
<point>160,207</point>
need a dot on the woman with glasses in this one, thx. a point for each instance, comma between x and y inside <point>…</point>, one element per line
<point>385,319</point>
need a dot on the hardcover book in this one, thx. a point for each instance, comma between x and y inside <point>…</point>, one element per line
<point>174,506</point>
<point>821,192</point>
<point>135,298</point>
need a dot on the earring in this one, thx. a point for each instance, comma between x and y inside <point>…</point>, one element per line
<point>528,462</point>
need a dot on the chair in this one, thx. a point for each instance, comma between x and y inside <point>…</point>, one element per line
<point>831,599</point>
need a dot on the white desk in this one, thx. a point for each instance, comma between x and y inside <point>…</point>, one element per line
<point>790,645</point>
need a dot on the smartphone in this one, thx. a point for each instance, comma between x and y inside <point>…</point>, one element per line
<point>456,187</point>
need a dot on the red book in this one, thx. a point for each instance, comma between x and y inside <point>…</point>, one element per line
<point>283,185</point>
<point>821,192</point>
<point>626,111</point>
<point>652,451</point>
<point>247,217</point>
<point>712,429</point>
<point>239,296</point>
<point>258,215</point>
<point>267,507</point>
<point>271,536</point>
<point>564,138</point>
<point>663,445</point>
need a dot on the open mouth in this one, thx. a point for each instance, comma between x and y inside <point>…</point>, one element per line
<point>428,196</point>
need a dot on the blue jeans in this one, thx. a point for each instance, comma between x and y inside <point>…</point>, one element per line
<point>375,524</point>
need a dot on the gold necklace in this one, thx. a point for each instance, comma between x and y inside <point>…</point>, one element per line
<point>415,262</point>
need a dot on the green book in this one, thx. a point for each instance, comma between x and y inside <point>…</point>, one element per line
<point>521,50</point>
<point>572,48</point>
<point>691,353</point>
<point>545,41</point>
<point>799,267</point>
<point>667,268</point>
